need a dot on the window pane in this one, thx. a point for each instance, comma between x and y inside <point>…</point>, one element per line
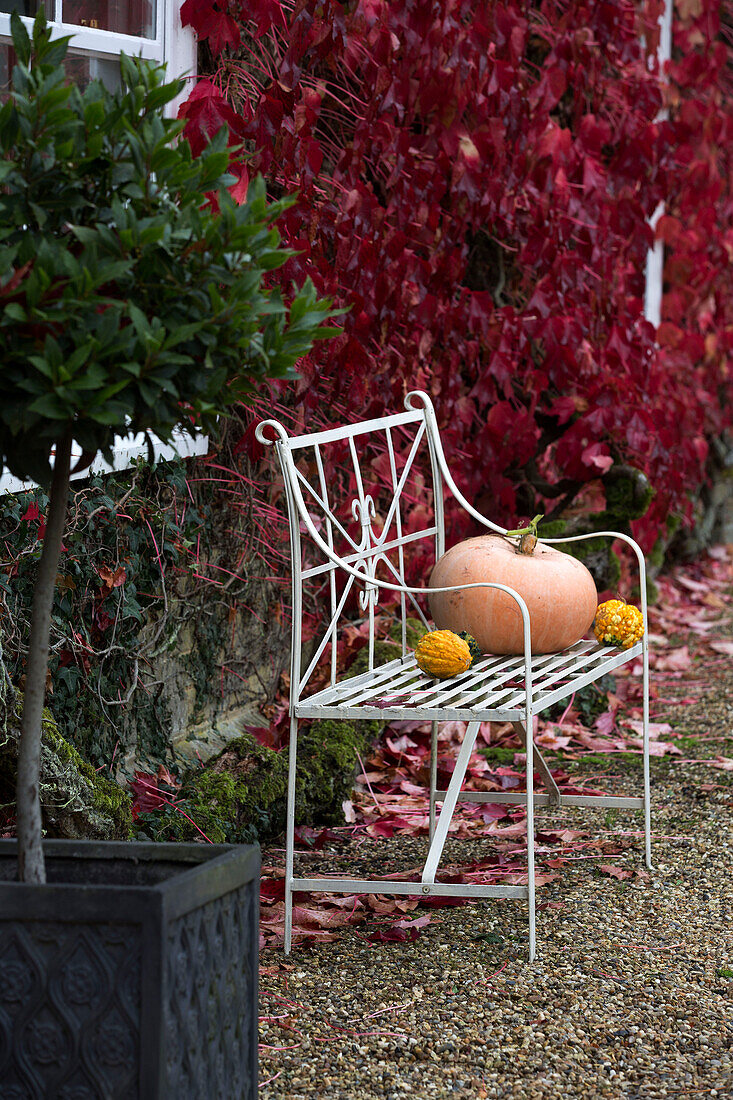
<point>7,61</point>
<point>27,7</point>
<point>121,16</point>
<point>81,68</point>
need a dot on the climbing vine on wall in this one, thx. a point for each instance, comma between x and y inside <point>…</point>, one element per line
<point>150,556</point>
<point>474,183</point>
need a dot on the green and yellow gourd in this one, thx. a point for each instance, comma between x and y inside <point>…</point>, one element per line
<point>442,654</point>
<point>473,647</point>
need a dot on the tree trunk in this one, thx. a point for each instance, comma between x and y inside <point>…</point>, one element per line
<point>31,867</point>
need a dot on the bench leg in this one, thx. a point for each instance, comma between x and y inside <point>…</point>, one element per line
<point>540,763</point>
<point>449,803</point>
<point>433,778</point>
<point>290,835</point>
<point>529,747</point>
<point>647,786</point>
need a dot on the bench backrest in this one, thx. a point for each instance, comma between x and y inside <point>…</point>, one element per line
<point>386,504</point>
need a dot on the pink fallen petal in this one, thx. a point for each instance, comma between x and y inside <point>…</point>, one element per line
<point>722,647</point>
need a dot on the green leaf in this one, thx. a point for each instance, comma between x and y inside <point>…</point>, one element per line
<point>49,405</point>
<point>21,39</point>
<point>145,304</point>
<point>15,312</point>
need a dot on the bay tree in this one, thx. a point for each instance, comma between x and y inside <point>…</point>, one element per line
<point>136,295</point>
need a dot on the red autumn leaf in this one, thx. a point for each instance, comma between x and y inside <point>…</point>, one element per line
<point>674,660</point>
<point>239,193</point>
<point>145,793</point>
<point>387,827</point>
<point>195,13</point>
<point>206,110</point>
<point>400,931</point>
<point>443,901</point>
<point>222,32</point>
<point>272,889</point>
<point>615,871</point>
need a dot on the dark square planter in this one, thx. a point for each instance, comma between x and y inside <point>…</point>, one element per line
<point>130,975</point>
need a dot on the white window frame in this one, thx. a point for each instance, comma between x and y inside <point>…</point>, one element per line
<point>175,46</point>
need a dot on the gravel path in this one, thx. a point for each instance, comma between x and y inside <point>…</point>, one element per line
<point>632,991</point>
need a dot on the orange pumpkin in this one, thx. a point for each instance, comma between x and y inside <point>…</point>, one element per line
<point>558,590</point>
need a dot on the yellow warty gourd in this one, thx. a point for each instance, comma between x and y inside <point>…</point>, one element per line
<point>442,654</point>
<point>618,623</point>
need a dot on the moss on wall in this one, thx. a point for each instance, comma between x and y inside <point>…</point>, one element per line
<point>238,796</point>
<point>328,756</point>
<point>628,493</point>
<point>241,794</point>
<point>76,801</point>
<point>147,644</point>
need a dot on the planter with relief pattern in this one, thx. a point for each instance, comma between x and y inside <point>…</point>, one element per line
<point>131,974</point>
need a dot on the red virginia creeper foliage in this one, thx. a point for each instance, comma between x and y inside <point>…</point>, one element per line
<point>474,183</point>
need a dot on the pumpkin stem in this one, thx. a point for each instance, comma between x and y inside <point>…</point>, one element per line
<point>527,535</point>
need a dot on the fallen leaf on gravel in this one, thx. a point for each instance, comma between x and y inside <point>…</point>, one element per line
<point>550,740</point>
<point>615,872</point>
<point>380,903</point>
<point>724,763</point>
<point>656,729</point>
<point>657,748</point>
<point>444,901</point>
<point>675,661</point>
<point>400,931</point>
<point>387,829</point>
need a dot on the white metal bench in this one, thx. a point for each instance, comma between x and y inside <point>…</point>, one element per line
<point>496,688</point>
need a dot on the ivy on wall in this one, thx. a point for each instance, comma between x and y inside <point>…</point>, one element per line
<point>151,556</point>
<point>474,183</point>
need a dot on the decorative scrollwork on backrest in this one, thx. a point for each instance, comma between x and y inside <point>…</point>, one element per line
<point>362,508</point>
<point>364,512</point>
